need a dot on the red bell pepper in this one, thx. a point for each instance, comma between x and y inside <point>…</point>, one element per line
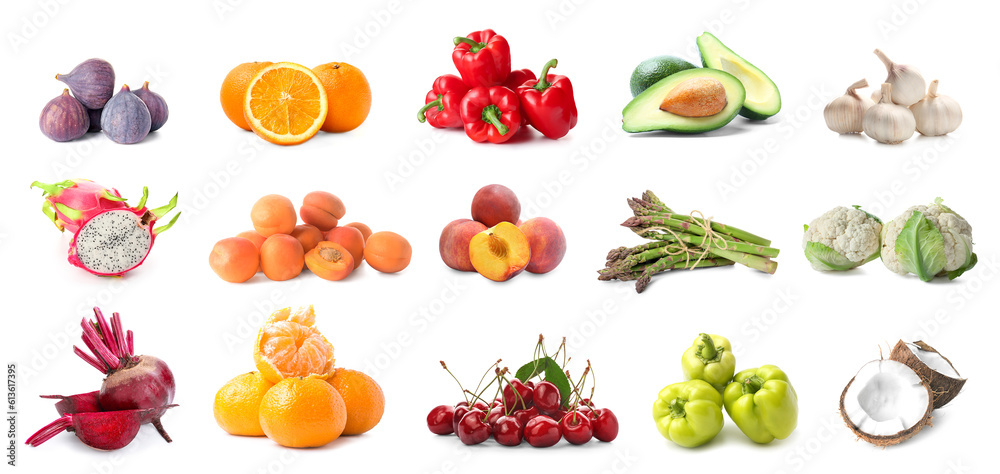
<point>482,58</point>
<point>442,102</point>
<point>548,103</point>
<point>491,114</point>
<point>518,77</point>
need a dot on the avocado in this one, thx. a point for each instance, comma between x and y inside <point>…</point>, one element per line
<point>644,114</point>
<point>763,99</point>
<point>652,70</point>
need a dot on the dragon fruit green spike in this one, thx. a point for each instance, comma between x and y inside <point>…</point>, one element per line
<point>68,204</point>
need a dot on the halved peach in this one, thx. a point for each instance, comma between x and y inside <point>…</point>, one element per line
<point>500,252</point>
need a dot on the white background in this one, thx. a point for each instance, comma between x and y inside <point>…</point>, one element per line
<point>395,174</point>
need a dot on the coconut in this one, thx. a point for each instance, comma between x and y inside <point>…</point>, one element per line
<point>932,367</point>
<point>886,403</point>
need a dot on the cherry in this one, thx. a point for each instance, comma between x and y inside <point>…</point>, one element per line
<point>517,395</point>
<point>542,432</point>
<point>606,425</point>
<point>441,420</point>
<point>481,405</point>
<point>525,415</point>
<point>577,428</point>
<point>586,411</point>
<point>472,429</point>
<point>460,411</point>
<point>547,397</point>
<point>530,384</point>
<point>497,403</point>
<point>508,431</point>
<point>462,404</point>
<point>494,415</point>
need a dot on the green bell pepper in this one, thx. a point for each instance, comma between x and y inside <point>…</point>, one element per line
<point>762,403</point>
<point>688,413</point>
<point>710,358</point>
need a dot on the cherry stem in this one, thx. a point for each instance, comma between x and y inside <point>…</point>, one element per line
<point>480,384</point>
<point>445,366</point>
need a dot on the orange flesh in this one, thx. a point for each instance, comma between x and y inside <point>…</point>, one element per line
<point>696,97</point>
<point>285,101</point>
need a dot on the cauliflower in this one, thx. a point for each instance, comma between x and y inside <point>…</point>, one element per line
<point>841,239</point>
<point>928,241</point>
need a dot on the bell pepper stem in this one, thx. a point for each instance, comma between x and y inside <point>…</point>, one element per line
<point>708,350</point>
<point>491,114</point>
<point>422,114</point>
<point>474,46</point>
<point>677,408</point>
<point>543,80</point>
<point>752,384</point>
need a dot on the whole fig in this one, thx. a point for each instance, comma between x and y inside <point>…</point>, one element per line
<point>156,105</point>
<point>95,120</point>
<point>92,82</point>
<point>64,118</point>
<point>125,118</point>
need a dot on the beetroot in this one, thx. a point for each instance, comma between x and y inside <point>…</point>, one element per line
<point>107,430</point>
<point>80,403</point>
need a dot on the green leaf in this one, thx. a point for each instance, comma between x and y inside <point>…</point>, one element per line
<point>551,372</point>
<point>828,259</point>
<point>920,247</point>
<point>873,216</point>
<point>959,271</point>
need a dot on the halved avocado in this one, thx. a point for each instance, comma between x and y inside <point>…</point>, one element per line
<point>643,114</point>
<point>763,99</point>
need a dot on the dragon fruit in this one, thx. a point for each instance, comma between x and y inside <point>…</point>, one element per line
<point>68,204</point>
<point>109,237</point>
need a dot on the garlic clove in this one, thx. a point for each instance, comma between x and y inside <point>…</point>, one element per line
<point>935,114</point>
<point>907,83</point>
<point>846,113</point>
<point>887,122</point>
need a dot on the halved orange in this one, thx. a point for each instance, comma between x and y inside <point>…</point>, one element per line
<point>288,345</point>
<point>285,104</point>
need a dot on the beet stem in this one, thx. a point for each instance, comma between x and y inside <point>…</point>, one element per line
<point>116,326</point>
<point>50,430</point>
<point>107,336</point>
<point>100,350</point>
<point>128,339</point>
<point>159,428</point>
<point>90,360</point>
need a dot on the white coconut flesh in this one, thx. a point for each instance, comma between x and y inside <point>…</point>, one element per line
<point>113,242</point>
<point>934,360</point>
<point>885,398</point>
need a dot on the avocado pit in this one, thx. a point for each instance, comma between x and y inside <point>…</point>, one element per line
<point>696,97</point>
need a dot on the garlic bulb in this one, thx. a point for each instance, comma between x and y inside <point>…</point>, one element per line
<point>887,122</point>
<point>907,83</point>
<point>845,113</point>
<point>936,114</point>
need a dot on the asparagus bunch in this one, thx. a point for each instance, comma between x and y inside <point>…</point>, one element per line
<point>681,241</point>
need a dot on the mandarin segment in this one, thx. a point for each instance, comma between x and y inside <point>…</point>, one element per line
<point>288,345</point>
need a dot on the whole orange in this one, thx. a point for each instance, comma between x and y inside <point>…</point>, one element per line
<point>348,95</point>
<point>237,404</point>
<point>363,397</point>
<point>302,413</point>
<point>234,89</point>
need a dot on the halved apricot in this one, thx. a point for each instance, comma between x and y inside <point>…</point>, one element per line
<point>500,252</point>
<point>388,252</point>
<point>322,209</point>
<point>330,261</point>
<point>281,257</point>
<point>352,240</point>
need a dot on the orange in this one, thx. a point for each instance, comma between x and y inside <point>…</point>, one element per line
<point>302,413</point>
<point>288,345</point>
<point>285,103</point>
<point>348,94</point>
<point>363,398</point>
<point>234,89</point>
<point>237,404</point>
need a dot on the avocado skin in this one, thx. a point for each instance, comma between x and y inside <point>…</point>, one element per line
<point>745,112</point>
<point>654,69</point>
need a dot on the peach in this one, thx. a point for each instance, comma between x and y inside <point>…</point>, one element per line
<point>281,257</point>
<point>500,252</point>
<point>365,230</point>
<point>352,240</point>
<point>547,241</point>
<point>454,243</point>
<point>308,236</point>
<point>273,214</point>
<point>257,240</point>
<point>494,204</point>
<point>388,252</point>
<point>330,261</point>
<point>322,209</point>
<point>234,259</point>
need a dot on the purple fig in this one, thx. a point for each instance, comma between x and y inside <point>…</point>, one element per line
<point>95,120</point>
<point>92,82</point>
<point>64,118</point>
<point>125,118</point>
<point>156,105</point>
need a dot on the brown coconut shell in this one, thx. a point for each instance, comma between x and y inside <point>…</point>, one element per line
<point>943,388</point>
<point>884,441</point>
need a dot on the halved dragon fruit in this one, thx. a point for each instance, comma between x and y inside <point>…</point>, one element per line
<point>68,204</point>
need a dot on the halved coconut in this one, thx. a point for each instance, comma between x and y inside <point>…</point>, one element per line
<point>931,366</point>
<point>886,403</point>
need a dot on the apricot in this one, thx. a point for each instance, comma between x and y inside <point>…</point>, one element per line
<point>281,257</point>
<point>500,252</point>
<point>308,236</point>
<point>494,204</point>
<point>330,261</point>
<point>257,240</point>
<point>234,259</point>
<point>273,214</point>
<point>387,252</point>
<point>352,240</point>
<point>454,243</point>
<point>322,209</point>
<point>365,230</point>
<point>547,242</point>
